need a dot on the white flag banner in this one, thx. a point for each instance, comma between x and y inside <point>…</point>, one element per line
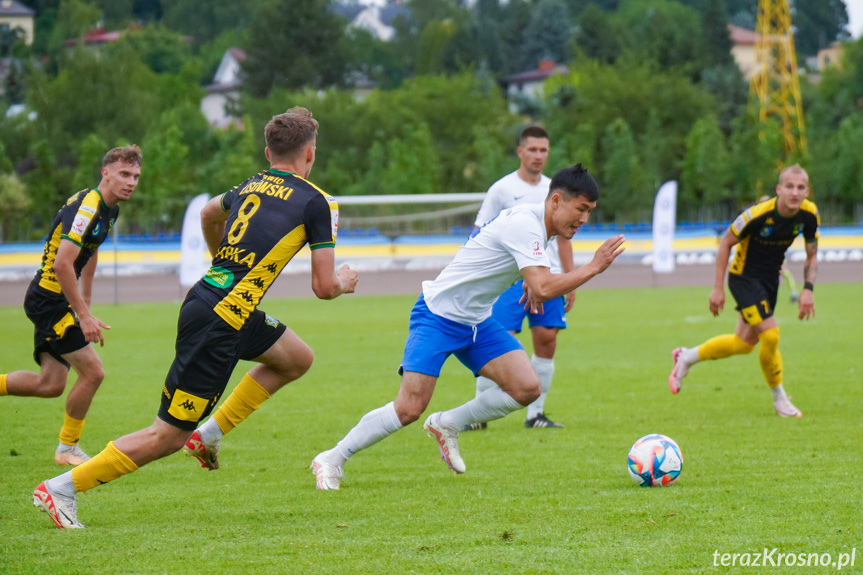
<point>664,220</point>
<point>193,250</point>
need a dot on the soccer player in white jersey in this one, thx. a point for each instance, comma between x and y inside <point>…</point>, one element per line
<point>528,185</point>
<point>453,316</point>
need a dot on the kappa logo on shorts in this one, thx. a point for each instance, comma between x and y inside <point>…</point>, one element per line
<point>187,407</point>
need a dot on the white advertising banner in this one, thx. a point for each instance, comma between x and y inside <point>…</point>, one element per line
<point>193,250</point>
<point>664,220</point>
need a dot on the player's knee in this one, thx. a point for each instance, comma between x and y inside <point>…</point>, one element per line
<point>769,338</point>
<point>52,386</point>
<point>527,392</point>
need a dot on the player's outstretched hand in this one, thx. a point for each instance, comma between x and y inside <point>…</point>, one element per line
<point>92,328</point>
<point>607,252</point>
<point>805,305</point>
<point>529,301</point>
<point>348,278</point>
<point>717,300</point>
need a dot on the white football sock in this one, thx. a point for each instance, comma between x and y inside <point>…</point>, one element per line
<point>63,447</point>
<point>778,392</point>
<point>210,431</point>
<point>374,426</point>
<point>545,370</point>
<point>690,355</point>
<point>483,383</point>
<point>491,404</point>
<point>62,484</point>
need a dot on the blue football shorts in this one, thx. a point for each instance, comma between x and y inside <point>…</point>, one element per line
<point>432,339</point>
<point>510,314</point>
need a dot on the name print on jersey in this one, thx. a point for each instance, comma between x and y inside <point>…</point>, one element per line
<point>269,185</point>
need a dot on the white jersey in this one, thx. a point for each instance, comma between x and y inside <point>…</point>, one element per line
<point>488,264</point>
<point>511,191</point>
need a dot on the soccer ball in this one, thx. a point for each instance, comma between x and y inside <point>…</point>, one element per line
<point>654,461</point>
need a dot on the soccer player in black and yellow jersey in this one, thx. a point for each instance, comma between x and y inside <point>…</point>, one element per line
<point>58,300</point>
<point>252,232</point>
<point>762,234</point>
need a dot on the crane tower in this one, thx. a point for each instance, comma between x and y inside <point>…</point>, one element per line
<point>775,82</point>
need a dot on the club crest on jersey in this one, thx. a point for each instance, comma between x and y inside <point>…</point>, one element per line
<point>796,229</point>
<point>766,231</point>
<point>96,229</point>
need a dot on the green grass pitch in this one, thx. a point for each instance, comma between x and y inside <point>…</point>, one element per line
<point>532,501</point>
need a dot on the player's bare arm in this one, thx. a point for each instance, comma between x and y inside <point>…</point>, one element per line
<point>546,285</point>
<point>723,254</point>
<point>85,282</point>
<point>213,219</point>
<point>806,302</point>
<point>65,270</point>
<point>327,283</point>
<point>564,249</point>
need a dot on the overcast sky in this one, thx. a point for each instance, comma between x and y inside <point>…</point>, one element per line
<point>855,17</point>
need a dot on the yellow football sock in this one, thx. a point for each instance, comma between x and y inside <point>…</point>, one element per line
<point>3,385</point>
<point>769,356</point>
<point>246,398</point>
<point>723,346</point>
<point>109,465</point>
<point>71,431</point>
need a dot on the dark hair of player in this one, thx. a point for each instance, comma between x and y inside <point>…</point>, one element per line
<point>575,181</point>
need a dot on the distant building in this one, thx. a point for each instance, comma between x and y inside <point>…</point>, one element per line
<point>378,20</point>
<point>831,56</point>
<point>528,85</point>
<point>95,37</point>
<point>224,91</point>
<point>14,14</point>
<point>743,49</point>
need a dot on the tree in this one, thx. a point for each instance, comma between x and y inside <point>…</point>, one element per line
<point>547,35</point>
<point>160,48</point>
<point>74,17</point>
<point>13,198</point>
<point>666,32</point>
<point>433,41</point>
<point>306,51</point>
<point>165,186</point>
<point>620,171</point>
<point>598,35</point>
<point>205,21</point>
<point>93,149</point>
<point>817,23</point>
<point>704,180</point>
<point>756,150</point>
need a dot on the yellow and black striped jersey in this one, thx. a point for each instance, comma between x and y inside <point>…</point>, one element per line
<point>272,216</point>
<point>84,219</point>
<point>765,236</point>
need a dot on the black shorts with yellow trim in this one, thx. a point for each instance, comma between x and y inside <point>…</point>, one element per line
<point>755,297</point>
<point>206,353</point>
<point>56,331</point>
